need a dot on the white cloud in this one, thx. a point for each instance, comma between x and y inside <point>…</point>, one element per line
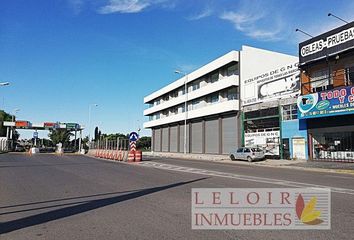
<point>129,6</point>
<point>205,13</point>
<point>258,19</point>
<point>124,6</point>
<point>251,24</point>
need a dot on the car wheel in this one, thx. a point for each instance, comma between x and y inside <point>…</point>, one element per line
<point>232,157</point>
<point>249,159</point>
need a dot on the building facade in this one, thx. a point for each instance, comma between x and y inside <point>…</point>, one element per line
<point>212,114</point>
<point>326,103</point>
<point>270,85</point>
<point>256,81</point>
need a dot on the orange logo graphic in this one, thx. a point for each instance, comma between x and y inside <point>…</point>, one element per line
<point>307,213</point>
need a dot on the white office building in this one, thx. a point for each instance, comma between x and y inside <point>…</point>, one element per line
<point>212,118</point>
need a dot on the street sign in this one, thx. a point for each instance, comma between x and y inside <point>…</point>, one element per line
<point>132,146</point>
<point>133,136</point>
<point>35,135</point>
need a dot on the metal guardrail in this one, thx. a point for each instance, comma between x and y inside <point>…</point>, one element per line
<point>107,144</point>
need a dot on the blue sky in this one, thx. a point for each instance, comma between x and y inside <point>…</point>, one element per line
<point>62,55</point>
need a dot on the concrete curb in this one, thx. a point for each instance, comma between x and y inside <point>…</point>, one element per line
<point>324,170</point>
<point>260,164</point>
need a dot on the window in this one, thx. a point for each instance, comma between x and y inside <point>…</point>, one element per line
<point>195,86</point>
<point>183,108</point>
<point>173,94</point>
<point>247,150</point>
<point>232,94</point>
<point>319,80</point>
<point>213,98</point>
<point>165,113</point>
<point>350,75</point>
<point>151,118</point>
<point>289,112</point>
<point>157,102</point>
<point>214,77</point>
<point>157,116</point>
<point>165,98</point>
<point>240,150</point>
<point>231,70</point>
<point>174,111</point>
<point>194,104</point>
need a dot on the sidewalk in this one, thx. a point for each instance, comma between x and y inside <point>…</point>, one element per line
<point>332,167</point>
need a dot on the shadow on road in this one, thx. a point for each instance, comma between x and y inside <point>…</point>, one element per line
<point>46,165</point>
<point>40,218</point>
<point>66,199</point>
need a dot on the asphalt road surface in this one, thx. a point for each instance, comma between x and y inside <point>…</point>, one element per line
<point>77,197</point>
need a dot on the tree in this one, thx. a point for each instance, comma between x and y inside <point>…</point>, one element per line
<point>4,116</point>
<point>60,136</point>
<point>96,134</point>
<point>144,143</point>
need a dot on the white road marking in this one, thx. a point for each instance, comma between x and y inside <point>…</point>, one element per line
<point>241,177</point>
<point>344,177</point>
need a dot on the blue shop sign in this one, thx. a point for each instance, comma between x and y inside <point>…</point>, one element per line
<point>327,103</point>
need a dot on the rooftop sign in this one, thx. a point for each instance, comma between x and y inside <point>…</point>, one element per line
<point>327,44</point>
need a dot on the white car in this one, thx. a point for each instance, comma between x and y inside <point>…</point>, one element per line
<point>247,153</point>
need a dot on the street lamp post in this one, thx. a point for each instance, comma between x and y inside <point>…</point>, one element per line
<point>185,109</point>
<point>89,120</point>
<point>340,19</point>
<point>303,32</point>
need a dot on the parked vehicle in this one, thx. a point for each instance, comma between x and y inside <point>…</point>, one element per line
<point>247,153</point>
<point>19,148</point>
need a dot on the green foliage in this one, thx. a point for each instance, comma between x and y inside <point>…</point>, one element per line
<point>4,116</point>
<point>114,136</point>
<point>144,143</point>
<point>60,136</point>
<point>96,134</point>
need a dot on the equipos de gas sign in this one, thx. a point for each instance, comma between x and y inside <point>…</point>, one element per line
<point>328,103</point>
<point>327,44</point>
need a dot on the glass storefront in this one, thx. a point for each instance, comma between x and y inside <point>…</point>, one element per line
<point>333,146</point>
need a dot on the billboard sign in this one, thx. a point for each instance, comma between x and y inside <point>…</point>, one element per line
<point>268,141</point>
<point>327,103</point>
<point>274,84</point>
<point>327,44</point>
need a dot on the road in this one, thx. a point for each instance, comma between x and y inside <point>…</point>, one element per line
<point>77,197</point>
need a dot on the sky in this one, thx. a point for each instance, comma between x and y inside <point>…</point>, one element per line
<point>61,56</point>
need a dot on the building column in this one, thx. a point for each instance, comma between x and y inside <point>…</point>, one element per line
<point>190,137</point>
<point>169,139</point>
<point>281,147</point>
<point>220,135</point>
<point>80,141</point>
<point>161,133</point>
<point>178,138</point>
<point>203,136</point>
